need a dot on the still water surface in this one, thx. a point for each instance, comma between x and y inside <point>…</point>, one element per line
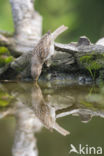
<point>44,119</point>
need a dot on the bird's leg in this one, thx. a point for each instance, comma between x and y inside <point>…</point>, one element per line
<point>48,62</point>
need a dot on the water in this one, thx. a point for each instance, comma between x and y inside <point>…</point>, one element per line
<point>35,118</point>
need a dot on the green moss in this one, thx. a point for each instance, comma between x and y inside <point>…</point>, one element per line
<point>92,63</point>
<point>5,60</point>
<point>5,57</point>
<point>3,50</point>
<point>85,59</point>
<point>8,59</point>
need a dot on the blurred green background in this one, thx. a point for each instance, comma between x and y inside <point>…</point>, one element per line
<point>82,17</point>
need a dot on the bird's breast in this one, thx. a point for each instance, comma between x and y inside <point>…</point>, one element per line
<point>51,51</point>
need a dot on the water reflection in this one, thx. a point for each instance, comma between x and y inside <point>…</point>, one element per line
<point>34,109</point>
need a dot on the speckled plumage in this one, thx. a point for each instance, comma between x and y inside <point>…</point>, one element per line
<point>43,51</point>
<point>40,55</point>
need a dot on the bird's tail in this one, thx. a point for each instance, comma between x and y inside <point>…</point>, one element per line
<point>58,31</point>
<point>61,130</point>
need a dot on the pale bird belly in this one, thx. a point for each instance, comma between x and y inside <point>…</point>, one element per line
<point>51,51</point>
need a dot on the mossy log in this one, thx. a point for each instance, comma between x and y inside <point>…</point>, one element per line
<point>68,58</point>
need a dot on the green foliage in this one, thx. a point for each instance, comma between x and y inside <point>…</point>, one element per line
<point>79,16</point>
<point>6,22</point>
<point>91,64</point>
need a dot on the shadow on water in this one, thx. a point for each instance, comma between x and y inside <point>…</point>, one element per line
<point>35,108</point>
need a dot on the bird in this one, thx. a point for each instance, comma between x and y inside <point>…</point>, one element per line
<point>43,51</point>
<point>45,112</point>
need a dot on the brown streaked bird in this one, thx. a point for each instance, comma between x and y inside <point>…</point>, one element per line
<point>43,51</point>
<point>45,112</point>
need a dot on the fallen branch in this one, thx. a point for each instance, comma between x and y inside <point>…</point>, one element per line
<point>83,46</point>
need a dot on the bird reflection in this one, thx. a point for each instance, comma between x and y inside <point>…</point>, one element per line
<point>45,112</point>
<point>31,115</point>
<point>33,110</point>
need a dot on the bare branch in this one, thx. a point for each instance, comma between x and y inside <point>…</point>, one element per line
<point>82,46</point>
